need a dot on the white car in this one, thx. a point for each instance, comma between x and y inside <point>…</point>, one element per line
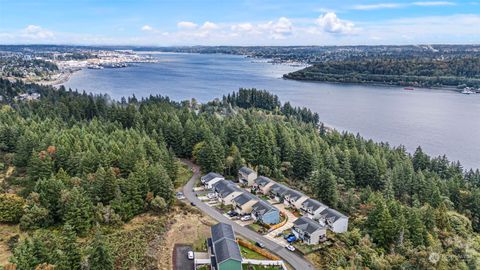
<point>246,218</point>
<point>190,255</point>
<point>211,195</point>
<point>290,247</point>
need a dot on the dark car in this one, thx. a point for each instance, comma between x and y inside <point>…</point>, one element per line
<point>192,204</point>
<point>286,236</point>
<point>260,244</point>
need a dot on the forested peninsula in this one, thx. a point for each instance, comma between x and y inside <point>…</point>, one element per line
<point>76,167</point>
<point>459,72</point>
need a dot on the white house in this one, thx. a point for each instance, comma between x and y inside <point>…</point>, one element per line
<point>309,231</point>
<point>246,176</point>
<point>210,179</point>
<point>334,220</point>
<point>312,208</point>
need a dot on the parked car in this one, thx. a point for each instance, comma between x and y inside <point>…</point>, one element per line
<point>290,247</point>
<point>190,255</point>
<point>232,213</point>
<point>211,195</point>
<point>260,244</point>
<point>192,204</point>
<point>246,218</point>
<point>286,236</point>
<point>291,239</point>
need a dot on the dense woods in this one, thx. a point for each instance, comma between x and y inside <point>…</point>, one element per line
<point>455,72</point>
<point>85,162</point>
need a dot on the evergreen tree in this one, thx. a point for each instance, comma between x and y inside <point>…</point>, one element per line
<point>325,186</point>
<point>70,248</point>
<point>100,257</point>
<point>77,210</point>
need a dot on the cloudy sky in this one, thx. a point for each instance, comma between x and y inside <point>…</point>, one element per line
<point>238,22</point>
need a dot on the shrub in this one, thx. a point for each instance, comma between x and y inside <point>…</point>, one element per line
<point>11,208</point>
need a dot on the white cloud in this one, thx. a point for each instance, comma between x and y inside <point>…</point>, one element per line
<point>208,26</point>
<point>433,3</point>
<point>242,27</point>
<point>36,32</point>
<point>147,28</point>
<point>279,29</point>
<point>186,25</point>
<point>329,22</point>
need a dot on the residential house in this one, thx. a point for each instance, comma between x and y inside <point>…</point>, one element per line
<point>246,176</point>
<point>210,179</point>
<point>334,220</point>
<point>243,203</point>
<point>226,191</point>
<point>312,208</point>
<point>309,231</point>
<point>278,191</point>
<point>223,248</point>
<point>263,184</point>
<point>265,212</point>
<point>294,198</point>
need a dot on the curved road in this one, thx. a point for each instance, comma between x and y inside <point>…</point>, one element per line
<point>296,261</point>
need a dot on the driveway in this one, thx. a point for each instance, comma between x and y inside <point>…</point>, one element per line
<point>288,225</point>
<point>296,261</point>
<point>180,258</point>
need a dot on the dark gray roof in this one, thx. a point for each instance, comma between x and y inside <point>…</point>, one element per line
<point>226,249</point>
<point>293,194</point>
<point>263,181</point>
<point>224,244</point>
<point>244,198</point>
<point>332,215</point>
<point>307,225</point>
<point>262,207</point>
<point>278,189</point>
<point>246,170</point>
<point>222,230</point>
<point>313,204</point>
<point>225,187</point>
<point>210,176</point>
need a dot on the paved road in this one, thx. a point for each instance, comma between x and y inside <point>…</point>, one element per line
<point>291,258</point>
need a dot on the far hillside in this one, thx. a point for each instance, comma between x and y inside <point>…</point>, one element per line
<point>454,72</point>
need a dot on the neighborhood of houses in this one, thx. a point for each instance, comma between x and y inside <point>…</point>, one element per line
<point>268,200</point>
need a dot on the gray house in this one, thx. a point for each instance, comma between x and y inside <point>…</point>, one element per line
<point>210,179</point>
<point>223,248</point>
<point>226,191</point>
<point>334,220</point>
<point>278,191</point>
<point>246,176</point>
<point>309,231</point>
<point>312,208</point>
<point>265,212</point>
<point>294,198</point>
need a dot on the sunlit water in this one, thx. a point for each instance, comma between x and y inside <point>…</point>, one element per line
<point>441,121</point>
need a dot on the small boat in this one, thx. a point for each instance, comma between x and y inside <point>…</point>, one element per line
<point>467,91</point>
<point>409,88</point>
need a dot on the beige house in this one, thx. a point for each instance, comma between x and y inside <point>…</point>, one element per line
<point>246,176</point>
<point>226,191</point>
<point>263,184</point>
<point>243,203</point>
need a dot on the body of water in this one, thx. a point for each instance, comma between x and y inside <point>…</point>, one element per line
<point>441,121</point>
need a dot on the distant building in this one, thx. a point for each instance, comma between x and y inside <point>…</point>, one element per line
<point>244,202</point>
<point>334,220</point>
<point>312,208</point>
<point>265,212</point>
<point>28,97</point>
<point>309,231</point>
<point>223,248</point>
<point>210,179</point>
<point>246,176</point>
<point>263,184</point>
<point>226,191</point>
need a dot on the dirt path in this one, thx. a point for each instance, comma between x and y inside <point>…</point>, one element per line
<point>188,228</point>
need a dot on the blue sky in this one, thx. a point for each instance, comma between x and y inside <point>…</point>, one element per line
<point>238,22</point>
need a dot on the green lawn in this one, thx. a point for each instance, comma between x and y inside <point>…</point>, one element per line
<point>251,254</point>
<point>257,228</point>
